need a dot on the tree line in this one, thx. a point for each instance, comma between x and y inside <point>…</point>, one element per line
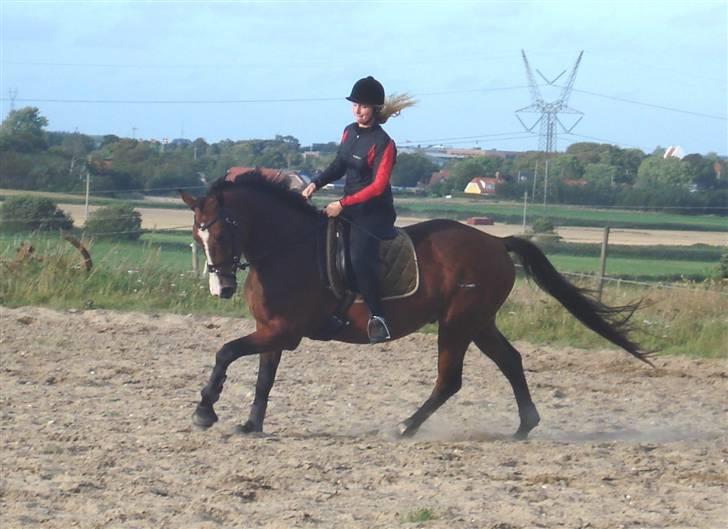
<point>33,158</point>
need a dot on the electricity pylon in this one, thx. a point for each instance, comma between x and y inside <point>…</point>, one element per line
<point>549,110</point>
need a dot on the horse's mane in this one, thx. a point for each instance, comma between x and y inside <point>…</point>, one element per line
<point>255,180</point>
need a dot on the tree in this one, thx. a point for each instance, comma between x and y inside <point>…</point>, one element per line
<point>117,221</point>
<point>702,171</point>
<point>411,169</point>
<point>30,213</point>
<point>23,130</point>
<point>655,171</point>
<point>566,166</point>
<point>600,173</point>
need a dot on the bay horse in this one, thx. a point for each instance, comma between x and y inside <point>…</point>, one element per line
<point>465,277</point>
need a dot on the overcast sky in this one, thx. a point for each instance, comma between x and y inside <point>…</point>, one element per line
<point>652,73</point>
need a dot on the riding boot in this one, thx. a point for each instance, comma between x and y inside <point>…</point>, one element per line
<point>378,330</point>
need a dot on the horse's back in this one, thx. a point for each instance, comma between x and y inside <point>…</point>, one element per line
<point>452,253</point>
<point>446,231</point>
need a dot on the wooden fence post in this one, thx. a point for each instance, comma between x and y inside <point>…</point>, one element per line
<point>602,263</point>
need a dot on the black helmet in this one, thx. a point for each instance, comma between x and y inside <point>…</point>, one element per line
<point>367,91</point>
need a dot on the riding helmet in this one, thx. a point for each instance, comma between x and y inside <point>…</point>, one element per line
<point>367,91</point>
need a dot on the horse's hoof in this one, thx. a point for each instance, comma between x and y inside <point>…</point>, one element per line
<point>248,428</point>
<point>404,429</point>
<point>529,421</point>
<point>521,435</point>
<point>203,418</point>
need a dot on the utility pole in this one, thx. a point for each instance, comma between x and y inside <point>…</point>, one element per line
<point>602,263</point>
<point>12,94</point>
<point>525,206</point>
<point>88,188</point>
<point>545,183</point>
<point>535,177</point>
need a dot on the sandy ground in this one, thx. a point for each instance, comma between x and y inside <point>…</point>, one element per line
<point>158,218</point>
<point>96,433</point>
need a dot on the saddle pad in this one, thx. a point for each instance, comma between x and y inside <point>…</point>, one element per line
<point>399,274</point>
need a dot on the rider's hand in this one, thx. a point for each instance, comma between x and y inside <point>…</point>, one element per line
<point>333,209</point>
<point>310,190</point>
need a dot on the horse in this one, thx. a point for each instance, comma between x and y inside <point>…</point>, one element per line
<point>465,277</point>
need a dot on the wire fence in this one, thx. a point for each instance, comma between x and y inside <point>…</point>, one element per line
<point>581,276</point>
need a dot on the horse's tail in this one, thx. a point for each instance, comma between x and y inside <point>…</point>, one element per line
<point>611,323</point>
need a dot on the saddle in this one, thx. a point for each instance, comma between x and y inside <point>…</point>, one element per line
<point>399,275</point>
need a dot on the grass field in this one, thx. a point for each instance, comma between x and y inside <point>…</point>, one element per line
<point>461,208</point>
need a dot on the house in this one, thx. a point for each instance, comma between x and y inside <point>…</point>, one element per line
<point>481,185</point>
<point>439,176</point>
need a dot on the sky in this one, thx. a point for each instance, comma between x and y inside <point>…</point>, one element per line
<point>653,74</point>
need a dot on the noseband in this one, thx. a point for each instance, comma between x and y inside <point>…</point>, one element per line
<point>235,263</point>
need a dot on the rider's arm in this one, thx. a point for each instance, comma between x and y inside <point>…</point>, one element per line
<point>335,170</point>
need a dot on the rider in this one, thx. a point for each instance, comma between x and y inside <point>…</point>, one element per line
<point>366,156</point>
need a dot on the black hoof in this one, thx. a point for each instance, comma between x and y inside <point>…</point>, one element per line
<point>248,428</point>
<point>529,421</point>
<point>204,417</point>
<point>405,429</point>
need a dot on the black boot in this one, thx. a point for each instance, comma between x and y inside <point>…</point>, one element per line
<point>378,330</point>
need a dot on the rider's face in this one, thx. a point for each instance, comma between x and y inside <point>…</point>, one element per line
<point>363,114</point>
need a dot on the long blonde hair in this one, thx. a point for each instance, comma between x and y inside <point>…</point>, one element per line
<point>393,105</point>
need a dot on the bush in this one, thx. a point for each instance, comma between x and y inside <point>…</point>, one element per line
<point>30,213</point>
<point>117,221</point>
<point>543,225</point>
<point>723,266</point>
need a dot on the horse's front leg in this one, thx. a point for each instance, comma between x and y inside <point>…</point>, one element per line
<point>270,337</point>
<point>266,377</point>
<point>205,415</point>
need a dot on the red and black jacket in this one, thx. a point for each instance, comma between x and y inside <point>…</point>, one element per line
<point>366,156</point>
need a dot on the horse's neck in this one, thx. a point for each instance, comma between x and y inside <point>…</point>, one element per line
<point>272,224</point>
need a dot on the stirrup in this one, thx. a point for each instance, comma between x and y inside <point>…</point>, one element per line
<point>377,330</point>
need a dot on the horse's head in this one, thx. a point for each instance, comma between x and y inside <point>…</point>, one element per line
<point>217,232</point>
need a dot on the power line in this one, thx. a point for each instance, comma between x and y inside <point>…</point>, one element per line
<point>612,142</point>
<point>651,105</point>
<point>460,139</point>
<point>239,101</point>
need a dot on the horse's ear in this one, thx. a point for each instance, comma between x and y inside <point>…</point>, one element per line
<point>188,199</point>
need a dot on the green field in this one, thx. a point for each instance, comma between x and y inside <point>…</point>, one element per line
<point>511,212</point>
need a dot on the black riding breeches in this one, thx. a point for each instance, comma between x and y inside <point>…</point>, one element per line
<point>364,258</point>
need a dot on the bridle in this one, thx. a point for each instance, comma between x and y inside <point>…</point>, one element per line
<point>235,264</point>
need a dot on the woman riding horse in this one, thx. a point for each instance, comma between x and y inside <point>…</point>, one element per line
<point>465,277</point>
<point>366,156</point>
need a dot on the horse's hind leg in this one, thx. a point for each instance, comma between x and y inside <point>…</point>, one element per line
<point>496,347</point>
<point>451,352</point>
<point>266,377</point>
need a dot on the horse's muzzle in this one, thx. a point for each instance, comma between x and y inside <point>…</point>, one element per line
<point>227,292</point>
<point>222,285</point>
